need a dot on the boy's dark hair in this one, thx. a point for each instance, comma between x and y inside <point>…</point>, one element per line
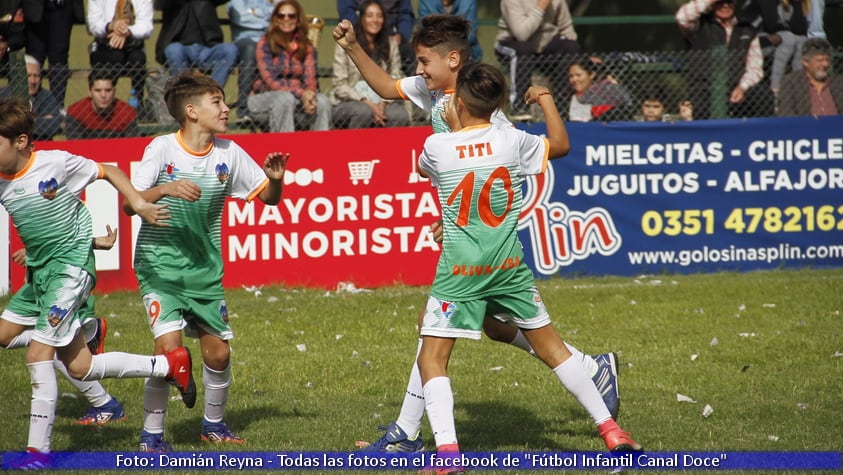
<point>99,74</point>
<point>186,87</point>
<point>444,33</point>
<point>16,119</point>
<point>482,88</point>
<point>654,93</point>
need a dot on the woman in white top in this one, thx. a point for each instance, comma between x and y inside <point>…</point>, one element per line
<point>355,104</point>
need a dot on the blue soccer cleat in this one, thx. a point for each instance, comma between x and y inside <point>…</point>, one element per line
<point>396,440</point>
<point>154,443</point>
<point>606,380</point>
<point>112,411</point>
<point>219,433</point>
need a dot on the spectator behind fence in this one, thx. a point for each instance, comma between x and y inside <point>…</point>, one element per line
<point>286,92</point>
<point>48,27</point>
<point>597,95</point>
<point>813,90</point>
<point>101,114</point>
<point>249,21</point>
<point>783,27</point>
<point>534,35</point>
<point>48,116</point>
<point>399,21</point>
<point>191,37</point>
<point>709,25</point>
<point>355,104</point>
<point>120,29</point>
<point>11,32</point>
<point>652,105</point>
<point>463,8</point>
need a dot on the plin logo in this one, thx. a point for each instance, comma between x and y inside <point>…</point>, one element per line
<point>56,315</point>
<point>48,188</point>
<point>304,177</point>
<point>222,172</point>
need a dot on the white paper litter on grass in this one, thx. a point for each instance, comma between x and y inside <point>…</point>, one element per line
<point>802,405</point>
<point>301,347</point>
<point>773,438</point>
<point>496,368</point>
<point>684,398</point>
<point>350,288</point>
<point>837,354</point>
<point>714,341</point>
<point>747,335</point>
<point>707,410</point>
<point>694,357</point>
<point>769,305</point>
<point>69,395</point>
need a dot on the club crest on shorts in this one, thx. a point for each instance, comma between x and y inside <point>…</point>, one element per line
<point>447,308</point>
<point>48,188</point>
<point>222,172</point>
<point>56,315</point>
<point>224,312</point>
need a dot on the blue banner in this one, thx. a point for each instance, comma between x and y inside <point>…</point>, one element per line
<point>295,461</point>
<point>684,197</point>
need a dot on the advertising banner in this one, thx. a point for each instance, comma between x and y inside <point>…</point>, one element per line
<point>629,198</point>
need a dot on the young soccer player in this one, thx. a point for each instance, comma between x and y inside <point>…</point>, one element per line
<point>180,267</point>
<point>478,170</point>
<point>17,324</point>
<point>40,190</point>
<point>442,48</point>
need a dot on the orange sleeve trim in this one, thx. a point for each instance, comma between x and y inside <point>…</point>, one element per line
<point>100,171</point>
<point>257,191</point>
<point>401,91</point>
<point>546,154</point>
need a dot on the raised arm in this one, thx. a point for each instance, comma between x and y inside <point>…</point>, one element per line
<point>557,134</point>
<point>379,80</point>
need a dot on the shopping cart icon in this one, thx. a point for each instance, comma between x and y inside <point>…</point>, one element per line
<point>361,171</point>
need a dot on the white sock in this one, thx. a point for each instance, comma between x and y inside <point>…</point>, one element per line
<point>412,408</point>
<point>588,363</point>
<point>21,341</point>
<point>520,341</point>
<point>577,382</point>
<point>93,391</point>
<point>156,392</point>
<point>45,392</point>
<point>216,392</point>
<point>116,364</point>
<point>439,403</point>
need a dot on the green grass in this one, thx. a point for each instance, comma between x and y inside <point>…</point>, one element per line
<point>772,373</point>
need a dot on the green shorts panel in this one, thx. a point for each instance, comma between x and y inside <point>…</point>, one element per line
<point>168,313</point>
<point>60,290</point>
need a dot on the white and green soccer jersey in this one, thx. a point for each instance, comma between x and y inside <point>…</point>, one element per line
<point>415,90</point>
<point>479,172</point>
<point>185,258</point>
<point>44,202</point>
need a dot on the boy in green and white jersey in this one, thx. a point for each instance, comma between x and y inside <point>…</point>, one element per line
<point>41,192</point>
<point>478,170</point>
<point>180,267</point>
<point>442,48</point>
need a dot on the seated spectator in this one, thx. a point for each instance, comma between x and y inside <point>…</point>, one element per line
<point>686,110</point>
<point>191,36</point>
<point>706,25</point>
<point>101,114</point>
<point>356,105</point>
<point>249,21</point>
<point>286,91</point>
<point>399,22</point>
<point>534,35</point>
<point>11,32</point>
<point>464,8</point>
<point>48,116</point>
<point>813,90</point>
<point>596,97</point>
<point>120,29</point>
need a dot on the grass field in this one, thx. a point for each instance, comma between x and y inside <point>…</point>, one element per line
<point>316,370</point>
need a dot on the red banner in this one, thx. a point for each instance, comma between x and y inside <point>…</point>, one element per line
<point>353,210</point>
